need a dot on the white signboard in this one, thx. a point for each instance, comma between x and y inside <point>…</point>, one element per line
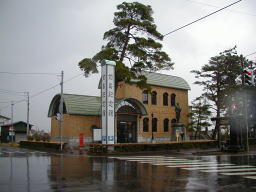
<point>108,101</point>
<point>96,135</point>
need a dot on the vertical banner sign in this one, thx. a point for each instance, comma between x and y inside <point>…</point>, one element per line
<point>108,101</point>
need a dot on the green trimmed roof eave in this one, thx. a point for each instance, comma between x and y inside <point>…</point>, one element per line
<point>88,105</point>
<point>77,104</point>
<point>134,101</point>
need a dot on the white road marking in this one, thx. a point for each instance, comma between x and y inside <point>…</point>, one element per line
<point>187,163</point>
<point>228,170</point>
<point>138,157</point>
<point>250,177</point>
<point>220,166</point>
<point>163,160</point>
<point>190,163</point>
<point>141,158</point>
<point>195,167</point>
<point>241,173</point>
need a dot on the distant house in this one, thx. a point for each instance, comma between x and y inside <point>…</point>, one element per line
<point>20,129</point>
<point>3,120</point>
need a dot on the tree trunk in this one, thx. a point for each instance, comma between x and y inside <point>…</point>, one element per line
<point>125,44</point>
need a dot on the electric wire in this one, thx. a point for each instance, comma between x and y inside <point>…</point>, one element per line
<point>209,5</point>
<point>250,54</point>
<point>16,73</point>
<point>201,18</point>
<point>43,91</point>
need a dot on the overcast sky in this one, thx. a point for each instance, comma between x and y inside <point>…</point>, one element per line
<point>47,36</point>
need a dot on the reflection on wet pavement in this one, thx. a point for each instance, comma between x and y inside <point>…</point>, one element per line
<point>27,170</point>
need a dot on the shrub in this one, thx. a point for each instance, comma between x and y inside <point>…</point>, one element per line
<point>37,137</point>
<point>29,138</point>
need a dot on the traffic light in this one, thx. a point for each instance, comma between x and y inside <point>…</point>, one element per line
<point>236,106</point>
<point>248,77</point>
<point>234,109</point>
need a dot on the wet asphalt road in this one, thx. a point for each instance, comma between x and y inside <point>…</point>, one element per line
<point>30,170</point>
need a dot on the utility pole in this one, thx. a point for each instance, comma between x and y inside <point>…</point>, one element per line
<point>11,131</point>
<point>28,131</point>
<point>61,108</point>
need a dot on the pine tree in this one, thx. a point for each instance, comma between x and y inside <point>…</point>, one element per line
<point>199,115</point>
<point>134,41</point>
<point>218,80</point>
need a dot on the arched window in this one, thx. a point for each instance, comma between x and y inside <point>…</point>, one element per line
<point>173,96</point>
<point>165,99</point>
<point>154,125</point>
<point>166,125</point>
<point>145,97</point>
<point>154,98</point>
<point>145,125</point>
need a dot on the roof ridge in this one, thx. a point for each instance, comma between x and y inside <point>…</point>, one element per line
<point>79,95</point>
<point>158,73</point>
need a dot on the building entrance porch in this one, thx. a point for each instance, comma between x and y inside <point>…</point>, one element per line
<point>127,129</point>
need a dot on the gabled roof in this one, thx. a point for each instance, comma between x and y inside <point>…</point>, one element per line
<point>7,118</point>
<point>87,105</point>
<point>15,123</point>
<point>163,80</point>
<point>169,81</point>
<point>77,104</point>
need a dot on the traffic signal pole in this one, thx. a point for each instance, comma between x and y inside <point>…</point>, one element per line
<point>246,120</point>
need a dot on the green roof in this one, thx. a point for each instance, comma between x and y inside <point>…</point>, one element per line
<point>77,104</point>
<point>87,105</point>
<point>169,81</point>
<point>163,80</point>
<point>82,104</point>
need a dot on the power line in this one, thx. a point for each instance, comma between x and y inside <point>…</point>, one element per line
<point>250,54</point>
<point>209,5</point>
<point>5,91</point>
<point>55,85</point>
<point>43,91</point>
<point>14,73</point>
<point>201,18</point>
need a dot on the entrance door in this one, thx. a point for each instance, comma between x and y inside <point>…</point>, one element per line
<point>127,129</point>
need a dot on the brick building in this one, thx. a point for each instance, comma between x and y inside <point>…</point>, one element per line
<point>141,116</point>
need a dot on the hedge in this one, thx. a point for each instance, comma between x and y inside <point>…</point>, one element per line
<point>41,145</point>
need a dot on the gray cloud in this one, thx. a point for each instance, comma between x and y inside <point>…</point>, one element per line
<point>50,36</point>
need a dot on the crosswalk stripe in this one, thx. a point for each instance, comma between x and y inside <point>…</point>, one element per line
<point>141,158</point>
<point>138,157</point>
<point>251,177</point>
<point>227,170</point>
<point>166,161</point>
<point>195,167</point>
<point>220,166</point>
<point>240,173</point>
<point>187,163</point>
